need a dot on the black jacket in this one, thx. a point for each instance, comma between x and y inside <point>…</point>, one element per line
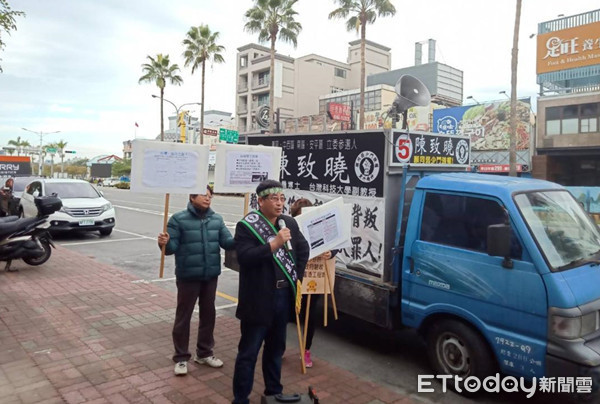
<point>257,271</point>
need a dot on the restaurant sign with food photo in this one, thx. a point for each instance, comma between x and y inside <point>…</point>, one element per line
<point>488,125</point>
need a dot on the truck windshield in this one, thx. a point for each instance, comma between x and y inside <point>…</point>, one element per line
<point>565,233</point>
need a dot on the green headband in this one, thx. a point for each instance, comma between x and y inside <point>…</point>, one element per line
<point>270,191</point>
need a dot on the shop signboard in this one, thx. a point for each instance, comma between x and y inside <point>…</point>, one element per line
<point>568,48</point>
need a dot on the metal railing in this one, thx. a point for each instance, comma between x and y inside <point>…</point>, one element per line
<point>260,82</point>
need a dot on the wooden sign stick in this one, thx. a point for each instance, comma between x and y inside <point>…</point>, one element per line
<point>246,199</point>
<point>303,365</point>
<point>306,314</point>
<point>162,250</point>
<point>330,287</point>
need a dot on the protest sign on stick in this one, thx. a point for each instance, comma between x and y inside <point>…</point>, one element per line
<point>166,168</point>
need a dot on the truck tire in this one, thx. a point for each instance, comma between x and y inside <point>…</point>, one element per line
<point>454,348</point>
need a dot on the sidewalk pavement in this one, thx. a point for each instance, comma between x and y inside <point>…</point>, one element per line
<point>78,331</point>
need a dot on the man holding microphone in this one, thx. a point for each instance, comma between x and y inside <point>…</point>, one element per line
<point>272,253</point>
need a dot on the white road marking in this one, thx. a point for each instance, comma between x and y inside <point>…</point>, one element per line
<point>135,234</point>
<point>99,241</point>
<point>152,212</point>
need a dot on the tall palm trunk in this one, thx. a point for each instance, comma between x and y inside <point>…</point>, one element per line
<point>512,159</point>
<point>363,36</point>
<point>202,106</point>
<point>162,118</point>
<point>62,163</point>
<point>272,86</point>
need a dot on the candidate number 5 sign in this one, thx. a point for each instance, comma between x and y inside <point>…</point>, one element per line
<point>403,148</point>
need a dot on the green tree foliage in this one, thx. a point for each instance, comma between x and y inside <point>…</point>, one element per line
<point>201,46</point>
<point>122,167</point>
<point>18,144</point>
<point>362,12</point>
<point>159,71</point>
<point>272,20</point>
<point>7,22</point>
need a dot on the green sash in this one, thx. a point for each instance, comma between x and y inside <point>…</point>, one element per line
<point>265,232</point>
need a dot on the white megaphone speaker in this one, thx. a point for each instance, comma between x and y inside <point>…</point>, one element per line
<point>411,92</point>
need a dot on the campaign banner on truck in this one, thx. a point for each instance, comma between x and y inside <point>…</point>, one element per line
<point>337,164</point>
<point>430,149</point>
<point>367,227</point>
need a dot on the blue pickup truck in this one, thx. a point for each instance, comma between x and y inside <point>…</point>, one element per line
<point>499,274</point>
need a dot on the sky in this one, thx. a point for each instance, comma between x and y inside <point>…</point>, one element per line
<point>73,65</point>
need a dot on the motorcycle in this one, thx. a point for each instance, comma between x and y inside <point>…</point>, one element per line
<point>28,238</point>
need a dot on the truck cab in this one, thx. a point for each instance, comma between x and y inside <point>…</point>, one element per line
<point>531,311</point>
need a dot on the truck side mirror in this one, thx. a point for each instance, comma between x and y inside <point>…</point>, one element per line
<point>498,243</point>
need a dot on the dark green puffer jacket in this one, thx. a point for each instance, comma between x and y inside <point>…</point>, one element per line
<point>195,240</point>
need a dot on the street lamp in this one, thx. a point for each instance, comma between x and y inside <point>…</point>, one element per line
<point>41,134</point>
<point>473,98</point>
<point>504,92</point>
<point>178,108</point>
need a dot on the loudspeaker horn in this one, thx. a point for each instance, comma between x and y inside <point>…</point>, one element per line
<point>411,93</point>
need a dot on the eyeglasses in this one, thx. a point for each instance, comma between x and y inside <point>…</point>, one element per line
<point>275,198</point>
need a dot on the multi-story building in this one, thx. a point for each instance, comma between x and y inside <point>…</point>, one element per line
<point>299,82</point>
<point>568,110</point>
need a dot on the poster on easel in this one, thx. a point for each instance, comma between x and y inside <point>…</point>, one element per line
<point>314,281</point>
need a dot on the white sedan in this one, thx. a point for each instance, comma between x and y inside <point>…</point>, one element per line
<point>84,208</point>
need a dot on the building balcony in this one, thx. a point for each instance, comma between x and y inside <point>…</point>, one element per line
<point>260,83</point>
<point>242,109</point>
<point>257,104</point>
<point>242,87</point>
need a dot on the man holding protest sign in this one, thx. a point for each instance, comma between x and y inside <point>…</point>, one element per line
<point>195,236</point>
<point>269,279</point>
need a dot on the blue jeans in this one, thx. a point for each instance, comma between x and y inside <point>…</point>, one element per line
<point>252,338</point>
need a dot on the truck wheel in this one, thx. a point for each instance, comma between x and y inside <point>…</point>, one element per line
<point>456,349</point>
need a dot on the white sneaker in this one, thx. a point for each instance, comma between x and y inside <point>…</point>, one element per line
<point>181,368</point>
<point>209,361</point>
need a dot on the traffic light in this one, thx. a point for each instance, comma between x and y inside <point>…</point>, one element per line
<point>70,151</point>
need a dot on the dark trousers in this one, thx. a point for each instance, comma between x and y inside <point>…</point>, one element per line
<point>187,294</point>
<point>314,316</point>
<point>252,338</point>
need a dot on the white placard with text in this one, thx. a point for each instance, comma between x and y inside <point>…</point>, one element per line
<point>240,168</point>
<point>167,167</point>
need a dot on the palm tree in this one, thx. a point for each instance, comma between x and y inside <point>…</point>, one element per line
<point>201,46</point>
<point>53,145</point>
<point>363,12</point>
<point>160,70</point>
<point>18,145</point>
<point>512,149</point>
<point>273,19</point>
<point>61,146</point>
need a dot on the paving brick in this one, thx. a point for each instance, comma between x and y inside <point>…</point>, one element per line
<point>79,331</point>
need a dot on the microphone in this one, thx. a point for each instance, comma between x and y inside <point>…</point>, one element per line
<point>282,225</point>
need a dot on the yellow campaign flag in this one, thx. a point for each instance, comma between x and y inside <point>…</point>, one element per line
<point>298,296</point>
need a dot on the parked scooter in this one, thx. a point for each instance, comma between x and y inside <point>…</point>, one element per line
<point>28,239</point>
